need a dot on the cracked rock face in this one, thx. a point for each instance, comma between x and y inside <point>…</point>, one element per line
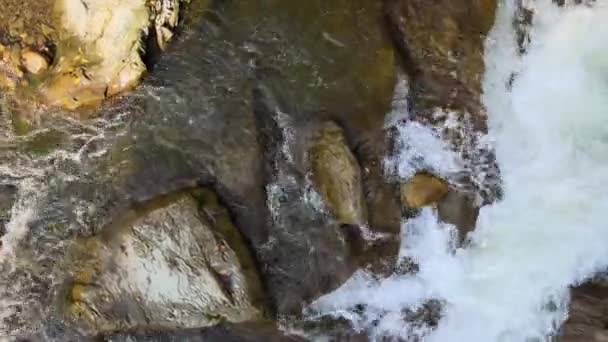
<point>170,268</point>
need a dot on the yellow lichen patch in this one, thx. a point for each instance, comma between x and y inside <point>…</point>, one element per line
<point>423,190</point>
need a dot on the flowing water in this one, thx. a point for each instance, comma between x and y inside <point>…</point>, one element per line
<point>548,119</point>
<point>548,116</point>
<point>214,112</point>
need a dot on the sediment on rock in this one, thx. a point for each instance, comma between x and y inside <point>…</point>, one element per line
<point>441,46</point>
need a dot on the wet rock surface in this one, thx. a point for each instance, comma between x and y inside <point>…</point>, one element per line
<point>587,314</point>
<point>247,332</point>
<point>170,268</point>
<point>241,127</point>
<point>337,176</point>
<point>460,209</point>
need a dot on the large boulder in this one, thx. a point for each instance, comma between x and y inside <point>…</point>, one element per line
<point>305,54</point>
<point>166,265</point>
<point>441,45</point>
<point>423,190</point>
<point>8,194</point>
<point>74,54</point>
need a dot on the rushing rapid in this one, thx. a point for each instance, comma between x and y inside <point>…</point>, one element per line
<point>548,118</point>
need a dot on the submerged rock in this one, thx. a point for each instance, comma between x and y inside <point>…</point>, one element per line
<point>194,125</point>
<point>423,190</point>
<point>169,268</point>
<point>337,175</point>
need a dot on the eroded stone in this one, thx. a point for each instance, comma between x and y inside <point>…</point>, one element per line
<point>338,176</point>
<point>168,268</point>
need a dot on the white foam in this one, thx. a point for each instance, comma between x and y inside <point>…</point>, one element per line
<point>549,231</point>
<point>22,212</point>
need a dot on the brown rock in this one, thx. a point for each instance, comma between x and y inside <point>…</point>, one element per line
<point>163,265</point>
<point>459,208</point>
<point>588,314</point>
<point>423,190</point>
<point>103,37</point>
<point>33,61</point>
<point>337,175</point>
<point>442,44</point>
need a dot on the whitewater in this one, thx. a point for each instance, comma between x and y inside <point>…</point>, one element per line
<point>548,120</point>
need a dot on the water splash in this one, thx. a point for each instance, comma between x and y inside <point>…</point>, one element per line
<point>548,232</point>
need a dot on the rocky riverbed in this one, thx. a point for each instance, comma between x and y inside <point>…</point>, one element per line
<point>205,170</point>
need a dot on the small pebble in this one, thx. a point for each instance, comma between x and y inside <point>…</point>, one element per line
<point>34,62</point>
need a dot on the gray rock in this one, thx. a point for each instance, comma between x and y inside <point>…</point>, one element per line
<point>164,265</point>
